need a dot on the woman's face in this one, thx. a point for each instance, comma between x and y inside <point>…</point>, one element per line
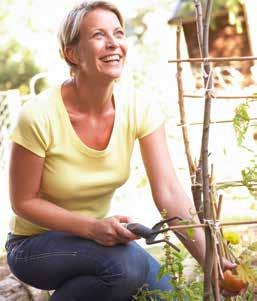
<point>102,48</point>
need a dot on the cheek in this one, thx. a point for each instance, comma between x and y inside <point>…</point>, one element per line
<point>124,48</point>
<point>87,58</point>
<point>88,52</point>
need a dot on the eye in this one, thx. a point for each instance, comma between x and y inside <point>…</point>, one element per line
<point>98,35</point>
<point>120,33</point>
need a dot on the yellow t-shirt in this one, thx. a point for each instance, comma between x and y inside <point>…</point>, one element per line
<point>75,176</point>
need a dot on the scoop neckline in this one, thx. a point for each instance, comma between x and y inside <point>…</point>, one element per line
<point>75,137</point>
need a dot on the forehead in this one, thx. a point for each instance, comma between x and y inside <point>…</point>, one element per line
<point>99,18</point>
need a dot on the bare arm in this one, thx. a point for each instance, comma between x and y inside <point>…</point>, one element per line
<point>25,177</point>
<point>166,189</point>
<point>168,193</point>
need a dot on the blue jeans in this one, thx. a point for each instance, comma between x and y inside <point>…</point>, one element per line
<point>82,270</point>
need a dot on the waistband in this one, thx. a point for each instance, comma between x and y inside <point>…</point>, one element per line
<point>13,238</point>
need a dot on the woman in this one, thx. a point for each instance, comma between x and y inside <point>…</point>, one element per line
<point>71,150</point>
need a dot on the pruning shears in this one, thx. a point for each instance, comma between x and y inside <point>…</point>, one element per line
<point>150,234</point>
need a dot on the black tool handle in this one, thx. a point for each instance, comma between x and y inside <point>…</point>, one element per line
<point>139,230</point>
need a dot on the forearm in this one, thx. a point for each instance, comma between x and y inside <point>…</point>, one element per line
<point>177,203</point>
<point>51,216</point>
<point>195,244</point>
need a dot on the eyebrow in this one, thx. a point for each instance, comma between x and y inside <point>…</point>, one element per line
<point>103,29</point>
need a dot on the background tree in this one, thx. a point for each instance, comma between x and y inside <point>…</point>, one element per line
<point>17,67</point>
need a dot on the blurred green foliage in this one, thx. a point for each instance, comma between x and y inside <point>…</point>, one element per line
<point>249,175</point>
<point>17,67</point>
<point>17,61</point>
<point>241,122</point>
<point>241,125</point>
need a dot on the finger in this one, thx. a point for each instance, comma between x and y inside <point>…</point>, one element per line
<point>106,243</point>
<point>121,230</point>
<point>123,241</point>
<point>227,264</point>
<point>123,218</point>
<point>124,233</point>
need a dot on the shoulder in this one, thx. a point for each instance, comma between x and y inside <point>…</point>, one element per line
<point>42,102</point>
<point>40,106</point>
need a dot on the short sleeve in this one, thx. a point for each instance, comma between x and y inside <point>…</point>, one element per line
<point>31,130</point>
<point>149,116</point>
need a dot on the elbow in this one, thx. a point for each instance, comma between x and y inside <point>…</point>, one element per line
<point>16,208</point>
<point>19,206</point>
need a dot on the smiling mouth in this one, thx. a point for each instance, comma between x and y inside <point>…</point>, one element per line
<point>115,58</point>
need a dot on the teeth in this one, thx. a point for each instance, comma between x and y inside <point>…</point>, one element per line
<point>114,57</point>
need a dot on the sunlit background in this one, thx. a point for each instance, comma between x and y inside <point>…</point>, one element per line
<point>33,25</point>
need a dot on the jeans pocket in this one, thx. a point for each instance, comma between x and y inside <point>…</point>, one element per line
<point>14,243</point>
<point>22,256</point>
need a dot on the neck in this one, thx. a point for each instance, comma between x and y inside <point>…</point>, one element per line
<point>92,96</point>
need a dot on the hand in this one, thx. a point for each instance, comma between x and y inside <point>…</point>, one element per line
<point>228,265</point>
<point>110,231</point>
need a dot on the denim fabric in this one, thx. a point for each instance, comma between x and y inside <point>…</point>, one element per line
<point>82,270</point>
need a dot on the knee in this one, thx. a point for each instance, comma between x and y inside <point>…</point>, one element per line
<point>135,275</point>
<point>129,271</point>
<point>125,282</point>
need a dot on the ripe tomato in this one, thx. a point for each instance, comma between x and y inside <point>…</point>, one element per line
<point>232,282</point>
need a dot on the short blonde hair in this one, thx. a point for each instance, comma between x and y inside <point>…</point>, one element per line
<point>69,32</point>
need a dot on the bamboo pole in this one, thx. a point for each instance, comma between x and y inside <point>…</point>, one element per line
<point>208,83</point>
<point>215,59</point>
<point>205,225</point>
<point>216,259</point>
<point>197,189</point>
<point>221,248</point>
<point>229,184</point>
<point>233,184</point>
<point>211,122</point>
<point>199,25</point>
<point>253,97</point>
<point>182,111</point>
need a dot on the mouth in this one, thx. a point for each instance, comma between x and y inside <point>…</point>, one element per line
<point>110,59</point>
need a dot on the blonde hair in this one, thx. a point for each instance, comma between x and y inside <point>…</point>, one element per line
<point>69,32</point>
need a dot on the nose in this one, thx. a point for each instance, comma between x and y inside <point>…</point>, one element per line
<point>112,42</point>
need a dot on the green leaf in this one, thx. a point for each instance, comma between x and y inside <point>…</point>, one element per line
<point>162,272</point>
<point>253,247</point>
<point>241,122</point>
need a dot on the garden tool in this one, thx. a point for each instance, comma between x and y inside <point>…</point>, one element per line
<point>151,234</point>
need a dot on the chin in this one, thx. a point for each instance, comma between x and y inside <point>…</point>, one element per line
<point>113,75</point>
<point>113,72</point>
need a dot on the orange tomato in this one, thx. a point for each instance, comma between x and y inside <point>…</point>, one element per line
<point>232,282</point>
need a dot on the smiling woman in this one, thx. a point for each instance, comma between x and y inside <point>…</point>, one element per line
<point>72,148</point>
<point>100,42</point>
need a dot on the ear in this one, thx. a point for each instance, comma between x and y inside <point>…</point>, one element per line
<point>71,55</point>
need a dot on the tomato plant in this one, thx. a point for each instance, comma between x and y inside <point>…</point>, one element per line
<point>232,282</point>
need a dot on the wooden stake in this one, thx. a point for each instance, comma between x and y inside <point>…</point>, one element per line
<point>215,59</point>
<point>211,122</point>
<point>226,97</point>
<point>216,258</point>
<point>207,78</point>
<point>182,111</point>
<point>221,224</point>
